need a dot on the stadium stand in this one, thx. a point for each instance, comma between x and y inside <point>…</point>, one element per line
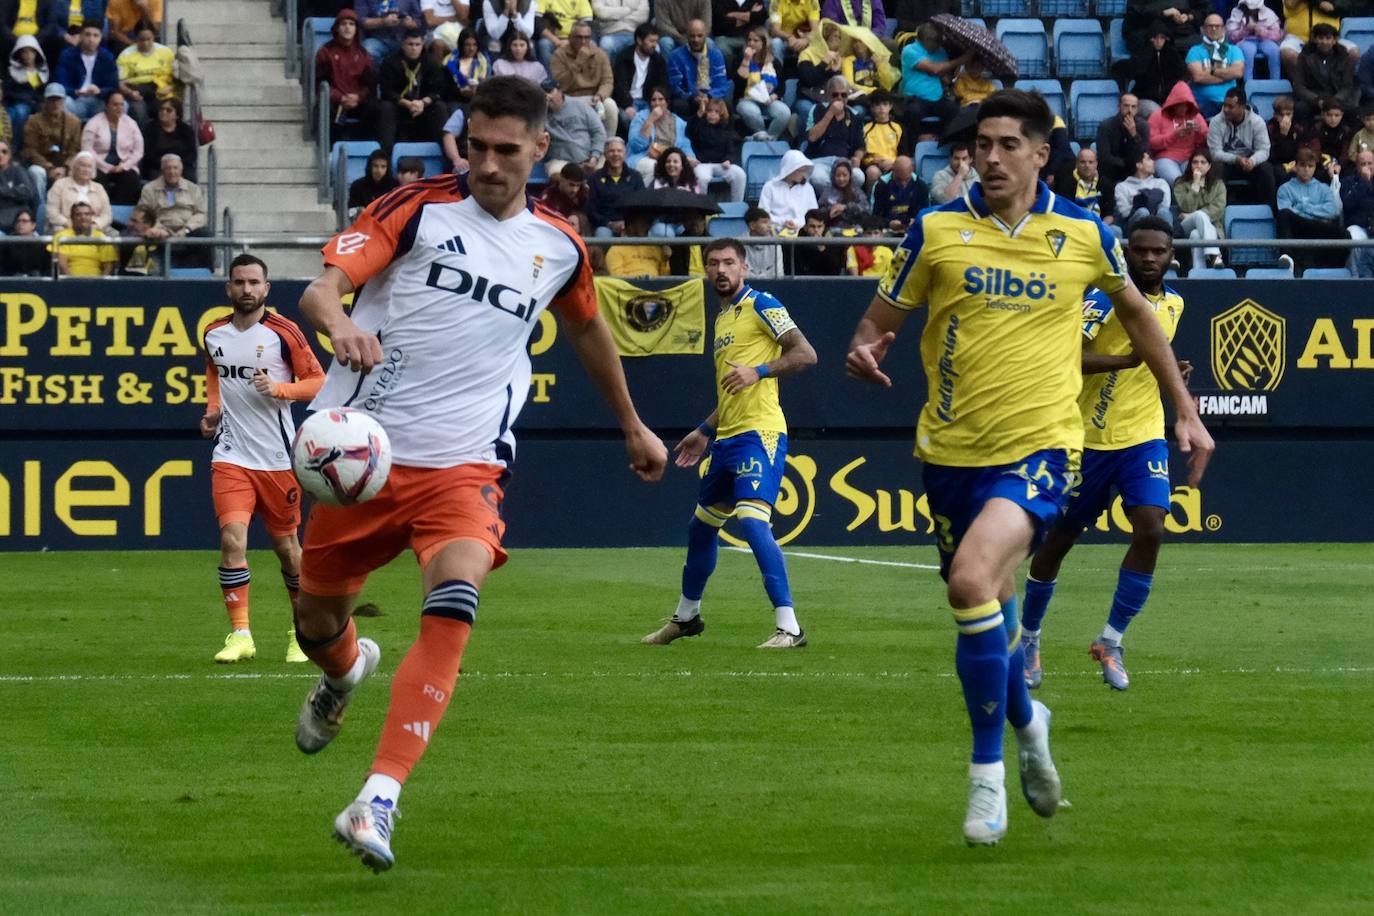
<point>1250,221</point>
<point>1027,41</point>
<point>1263,92</point>
<point>428,153</point>
<point>1358,30</point>
<point>1090,103</point>
<point>1080,50</point>
<point>1326,273</point>
<point>1212,273</point>
<point>1052,90</point>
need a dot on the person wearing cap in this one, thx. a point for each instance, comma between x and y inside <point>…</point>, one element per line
<point>1180,20</point>
<point>88,72</point>
<point>52,136</point>
<point>576,134</point>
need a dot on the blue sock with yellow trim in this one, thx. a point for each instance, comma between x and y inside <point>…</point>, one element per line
<point>1018,694</point>
<point>1132,591</point>
<point>769,557</point>
<point>1038,595</point>
<point>980,658</point>
<point>702,545</point>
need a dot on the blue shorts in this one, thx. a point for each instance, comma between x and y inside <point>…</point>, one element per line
<point>1139,473</point>
<point>741,467</point>
<point>1038,483</point>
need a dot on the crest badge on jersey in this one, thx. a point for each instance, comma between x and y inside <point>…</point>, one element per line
<point>1056,238</point>
<point>966,235</point>
<point>538,266</point>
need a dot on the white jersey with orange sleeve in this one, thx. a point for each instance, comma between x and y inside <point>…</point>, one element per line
<point>453,294</point>
<point>255,429</point>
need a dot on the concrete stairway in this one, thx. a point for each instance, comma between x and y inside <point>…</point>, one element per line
<point>266,166</point>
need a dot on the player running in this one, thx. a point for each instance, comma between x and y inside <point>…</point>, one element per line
<point>457,270</point>
<point>257,363</point>
<point>1003,270</point>
<point>1124,447</point>
<point>756,343</point>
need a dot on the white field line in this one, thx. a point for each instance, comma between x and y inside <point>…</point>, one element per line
<point>826,556</point>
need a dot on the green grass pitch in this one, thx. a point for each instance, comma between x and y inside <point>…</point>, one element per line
<point>578,771</point>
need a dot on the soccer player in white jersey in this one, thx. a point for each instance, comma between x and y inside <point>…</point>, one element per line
<point>1003,270</point>
<point>257,363</point>
<point>457,270</point>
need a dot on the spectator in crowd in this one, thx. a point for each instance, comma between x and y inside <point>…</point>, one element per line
<point>409,169</point>
<point>1181,19</point>
<point>909,14</point>
<point>1239,142</point>
<point>17,193</point>
<point>1061,156</point>
<point>817,260</point>
<point>31,260</point>
<point>955,179</point>
<point>716,145</point>
<point>169,134</point>
<point>731,23</point>
<point>82,260</point>
<point>78,187</point>
<point>616,22</point>
<point>1176,131</point>
<point>1364,74</point>
<point>1333,134</point>
<point>653,131</point>
<point>24,82</point>
<point>502,20</point>
<point>637,260</point>
<point>567,195</point>
<point>375,181</point>
<point>834,132</point>
<point>123,19</point>
<point>139,254</point>
<point>926,68</point>
<point>868,260</point>
<point>52,137</point>
<point>1082,185</point>
<point>1300,17</point>
<point>1255,29</point>
<point>882,138</point>
<point>1141,194</point>
<point>1201,199</point>
<point>576,134</point>
<point>686,260</point>
<point>117,143</point>
<point>1120,139</point>
<point>765,115</point>
<point>180,210</point>
<point>859,14</point>
<point>1357,195</point>
<point>1364,137</point>
<point>1214,65</point>
<point>1324,71</point>
<point>341,62</point>
<point>88,72</point>
<point>610,185</point>
<point>384,23</point>
<point>517,59</point>
<point>1286,137</point>
<point>818,64</point>
<point>452,144</point>
<point>696,70</point>
<point>60,23</point>
<point>467,67</point>
<point>900,196</point>
<point>845,204</point>
<point>1309,209</point>
<point>439,13</point>
<point>789,196</point>
<point>674,19</point>
<point>411,86</point>
<point>146,73</point>
<point>583,71</point>
<point>1155,70</point>
<point>791,24</point>
<point>972,85</point>
<point>674,170</point>
<point>765,261</point>
<point>6,125</point>
<point>635,70</point>
<point>556,20</point>
<point>863,69</point>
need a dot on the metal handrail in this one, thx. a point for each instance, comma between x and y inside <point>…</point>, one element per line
<point>322,145</point>
<point>293,38</point>
<point>166,18</point>
<point>212,185</point>
<point>311,94</point>
<point>341,191</point>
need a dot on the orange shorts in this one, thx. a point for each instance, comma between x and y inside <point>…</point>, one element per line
<point>424,509</point>
<point>240,493</point>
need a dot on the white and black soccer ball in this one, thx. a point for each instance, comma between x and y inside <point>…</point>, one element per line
<point>341,456</point>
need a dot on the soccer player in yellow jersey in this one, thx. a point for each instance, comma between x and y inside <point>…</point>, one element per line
<point>756,343</point>
<point>1003,270</point>
<point>1124,447</point>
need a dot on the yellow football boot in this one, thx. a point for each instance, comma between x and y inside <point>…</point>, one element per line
<point>236,649</point>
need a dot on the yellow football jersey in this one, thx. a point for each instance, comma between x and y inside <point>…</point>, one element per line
<point>1123,408</point>
<point>747,331</point>
<point>1001,347</point>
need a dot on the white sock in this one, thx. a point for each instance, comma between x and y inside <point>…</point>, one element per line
<point>787,620</point>
<point>352,678</point>
<point>1111,635</point>
<point>1025,632</point>
<point>244,632</point>
<point>380,786</point>
<point>687,609</point>
<point>992,772</point>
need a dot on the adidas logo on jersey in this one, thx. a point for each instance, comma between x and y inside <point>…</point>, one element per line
<point>454,244</point>
<point>418,729</point>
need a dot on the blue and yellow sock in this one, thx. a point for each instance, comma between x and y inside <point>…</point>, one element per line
<point>1018,694</point>
<point>1132,591</point>
<point>980,657</point>
<point>768,555</point>
<point>1038,595</point>
<point>703,540</point>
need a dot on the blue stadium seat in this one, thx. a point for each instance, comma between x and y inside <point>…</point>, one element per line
<point>1116,42</point>
<point>1068,8</point>
<point>930,157</point>
<point>760,168</point>
<point>538,175</point>
<point>1360,30</point>
<point>727,227</point>
<point>1105,8</point>
<point>1250,221</point>
<point>186,273</point>
<point>1080,50</point>
<point>1263,92</point>
<point>968,8</point>
<point>355,153</point>
<point>121,213</point>
<point>1076,147</point>
<point>733,207</point>
<point>1051,90</point>
<point>315,32</point>
<point>752,148</point>
<point>1269,273</point>
<point>1091,102</point>
<point>1026,39</point>
<point>994,8</point>
<point>1326,273</point>
<point>1212,273</point>
<point>431,153</point>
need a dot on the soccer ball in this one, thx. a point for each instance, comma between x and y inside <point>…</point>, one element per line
<point>341,456</point>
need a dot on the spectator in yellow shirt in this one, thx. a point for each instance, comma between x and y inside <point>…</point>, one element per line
<point>972,85</point>
<point>632,261</point>
<point>146,73</point>
<point>83,260</point>
<point>791,24</point>
<point>882,136</point>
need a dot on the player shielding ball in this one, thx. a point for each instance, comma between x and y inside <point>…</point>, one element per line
<point>1124,449</point>
<point>1003,270</point>
<point>457,270</point>
<point>256,364</point>
<point>756,343</point>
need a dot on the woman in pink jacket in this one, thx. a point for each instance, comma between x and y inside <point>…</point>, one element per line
<point>1255,29</point>
<point>1176,132</point>
<point>116,163</point>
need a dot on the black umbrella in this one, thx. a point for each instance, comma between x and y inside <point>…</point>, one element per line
<point>963,126</point>
<point>661,200</point>
<point>984,44</point>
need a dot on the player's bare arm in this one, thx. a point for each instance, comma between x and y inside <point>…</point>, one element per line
<point>209,424</point>
<point>596,350</point>
<point>797,354</point>
<point>1149,342</point>
<point>875,333</point>
<point>693,445</point>
<point>1095,363</point>
<point>322,305</point>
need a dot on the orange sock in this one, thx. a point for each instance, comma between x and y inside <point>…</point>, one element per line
<point>420,693</point>
<point>334,655</point>
<point>233,582</point>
